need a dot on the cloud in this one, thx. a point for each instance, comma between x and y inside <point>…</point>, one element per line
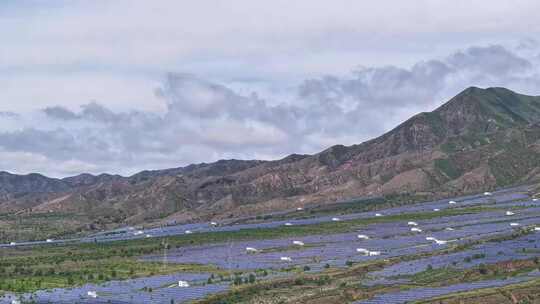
<point>112,98</point>
<point>493,60</point>
<point>59,112</point>
<point>99,50</point>
<point>205,121</point>
<point>10,115</point>
<point>390,89</point>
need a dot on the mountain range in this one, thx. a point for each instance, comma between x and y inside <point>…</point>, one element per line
<point>479,140</point>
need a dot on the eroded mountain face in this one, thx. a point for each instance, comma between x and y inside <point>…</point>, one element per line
<point>479,140</point>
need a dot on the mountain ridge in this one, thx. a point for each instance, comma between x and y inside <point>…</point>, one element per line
<point>191,167</point>
<point>478,140</point>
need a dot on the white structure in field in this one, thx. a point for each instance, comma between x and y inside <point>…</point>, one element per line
<point>183,284</point>
<point>286,259</point>
<point>251,249</point>
<point>92,294</point>
<point>367,252</point>
<point>438,242</point>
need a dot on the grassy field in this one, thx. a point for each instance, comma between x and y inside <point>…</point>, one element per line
<point>451,275</point>
<point>39,226</point>
<point>521,293</point>
<point>345,207</point>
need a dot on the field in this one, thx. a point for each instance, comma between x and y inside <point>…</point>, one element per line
<point>463,249</point>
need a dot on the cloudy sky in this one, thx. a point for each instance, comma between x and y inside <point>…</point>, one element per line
<point>122,86</point>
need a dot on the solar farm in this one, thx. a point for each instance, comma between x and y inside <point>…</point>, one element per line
<point>444,251</point>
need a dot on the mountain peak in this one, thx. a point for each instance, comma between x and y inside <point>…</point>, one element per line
<point>409,158</point>
<point>473,90</point>
<point>475,108</point>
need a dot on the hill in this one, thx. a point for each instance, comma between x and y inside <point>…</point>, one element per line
<point>477,141</point>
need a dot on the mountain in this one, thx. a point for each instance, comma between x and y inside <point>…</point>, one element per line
<point>479,140</point>
<point>12,185</point>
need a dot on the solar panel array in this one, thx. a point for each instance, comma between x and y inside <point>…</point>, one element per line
<point>391,239</point>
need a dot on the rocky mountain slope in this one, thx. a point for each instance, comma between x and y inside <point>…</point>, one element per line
<point>479,140</point>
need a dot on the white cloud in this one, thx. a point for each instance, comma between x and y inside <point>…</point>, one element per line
<point>206,121</point>
<point>94,68</point>
<point>30,91</point>
<point>113,51</point>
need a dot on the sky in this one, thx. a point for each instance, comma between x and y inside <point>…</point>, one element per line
<point>124,86</point>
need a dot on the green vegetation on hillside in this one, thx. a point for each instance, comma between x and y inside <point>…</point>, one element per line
<point>447,167</point>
